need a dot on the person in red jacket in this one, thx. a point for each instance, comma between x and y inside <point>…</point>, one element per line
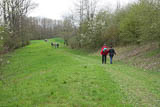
<point>104,53</point>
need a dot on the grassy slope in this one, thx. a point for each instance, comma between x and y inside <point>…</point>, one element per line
<point>146,56</point>
<point>41,76</point>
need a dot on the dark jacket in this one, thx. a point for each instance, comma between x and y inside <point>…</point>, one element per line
<point>112,52</point>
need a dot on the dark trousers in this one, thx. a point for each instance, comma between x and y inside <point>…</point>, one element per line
<point>103,59</point>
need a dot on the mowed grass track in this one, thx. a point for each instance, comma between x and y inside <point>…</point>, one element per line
<point>42,76</point>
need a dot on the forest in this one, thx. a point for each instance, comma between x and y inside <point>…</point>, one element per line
<point>135,23</point>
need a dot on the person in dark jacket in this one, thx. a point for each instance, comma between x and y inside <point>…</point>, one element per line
<point>111,54</point>
<point>104,53</point>
<point>52,44</point>
<point>57,45</point>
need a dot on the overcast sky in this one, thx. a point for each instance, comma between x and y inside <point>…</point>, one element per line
<point>55,9</point>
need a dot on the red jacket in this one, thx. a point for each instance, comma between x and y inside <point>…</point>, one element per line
<point>106,52</point>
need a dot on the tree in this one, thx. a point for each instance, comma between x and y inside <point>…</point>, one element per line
<point>14,16</point>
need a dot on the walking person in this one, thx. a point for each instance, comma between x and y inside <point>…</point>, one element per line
<point>52,44</point>
<point>104,53</point>
<point>57,45</point>
<point>111,54</point>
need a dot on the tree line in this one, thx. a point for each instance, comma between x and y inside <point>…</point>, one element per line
<point>135,23</point>
<point>17,29</point>
<point>13,21</point>
<point>44,28</point>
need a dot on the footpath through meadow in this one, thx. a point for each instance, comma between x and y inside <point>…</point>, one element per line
<point>39,75</point>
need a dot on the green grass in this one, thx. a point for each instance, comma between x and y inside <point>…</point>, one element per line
<point>41,76</point>
<point>152,53</point>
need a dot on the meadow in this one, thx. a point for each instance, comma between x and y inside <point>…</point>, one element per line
<point>39,75</point>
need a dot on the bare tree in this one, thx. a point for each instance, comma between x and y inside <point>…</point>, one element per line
<point>14,15</point>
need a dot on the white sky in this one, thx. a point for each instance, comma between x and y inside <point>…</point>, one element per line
<point>55,9</point>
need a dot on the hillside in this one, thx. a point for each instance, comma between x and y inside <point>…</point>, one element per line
<point>39,75</point>
<point>146,56</point>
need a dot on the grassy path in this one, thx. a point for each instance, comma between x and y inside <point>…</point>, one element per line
<point>41,76</point>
